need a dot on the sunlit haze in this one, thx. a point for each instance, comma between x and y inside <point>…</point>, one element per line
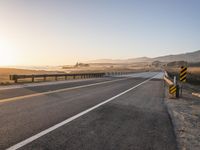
<point>46,32</point>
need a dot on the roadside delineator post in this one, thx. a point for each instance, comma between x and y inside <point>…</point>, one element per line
<point>183,74</point>
<point>172,89</point>
<point>182,77</point>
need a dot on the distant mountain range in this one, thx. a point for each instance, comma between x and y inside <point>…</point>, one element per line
<point>189,57</point>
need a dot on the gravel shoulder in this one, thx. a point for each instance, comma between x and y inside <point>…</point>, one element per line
<point>185,115</point>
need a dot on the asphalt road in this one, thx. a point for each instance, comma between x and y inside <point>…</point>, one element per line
<point>135,119</point>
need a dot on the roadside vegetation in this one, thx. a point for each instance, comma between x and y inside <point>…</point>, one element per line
<point>193,74</point>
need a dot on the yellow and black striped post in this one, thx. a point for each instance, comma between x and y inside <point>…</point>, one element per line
<point>172,89</point>
<point>183,74</point>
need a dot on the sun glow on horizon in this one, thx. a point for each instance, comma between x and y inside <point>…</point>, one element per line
<point>55,33</point>
<point>8,54</point>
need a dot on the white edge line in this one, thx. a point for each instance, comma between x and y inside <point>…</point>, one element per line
<point>34,137</point>
<point>56,91</point>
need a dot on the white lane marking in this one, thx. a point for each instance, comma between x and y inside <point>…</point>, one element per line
<point>55,91</point>
<point>140,75</point>
<point>34,137</point>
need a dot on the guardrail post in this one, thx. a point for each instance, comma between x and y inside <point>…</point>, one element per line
<point>15,77</point>
<point>33,78</point>
<point>56,78</point>
<point>44,78</point>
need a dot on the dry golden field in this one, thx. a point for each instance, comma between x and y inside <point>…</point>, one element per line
<point>194,70</point>
<point>5,72</point>
<point>92,68</point>
<point>193,74</point>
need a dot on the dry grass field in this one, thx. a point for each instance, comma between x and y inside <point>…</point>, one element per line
<point>111,67</point>
<point>195,70</point>
<point>193,74</point>
<point>5,72</point>
<point>91,68</point>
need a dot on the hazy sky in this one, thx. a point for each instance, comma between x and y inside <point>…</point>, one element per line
<point>46,32</point>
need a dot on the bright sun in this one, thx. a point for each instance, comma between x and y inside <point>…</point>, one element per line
<point>7,54</point>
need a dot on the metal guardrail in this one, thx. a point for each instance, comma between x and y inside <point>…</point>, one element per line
<point>44,76</point>
<point>168,81</point>
<point>16,77</point>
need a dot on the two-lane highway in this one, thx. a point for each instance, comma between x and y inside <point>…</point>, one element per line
<point>109,113</point>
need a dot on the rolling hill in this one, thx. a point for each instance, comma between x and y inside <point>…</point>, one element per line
<point>189,57</point>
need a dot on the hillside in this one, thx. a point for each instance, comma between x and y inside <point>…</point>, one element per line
<point>189,57</point>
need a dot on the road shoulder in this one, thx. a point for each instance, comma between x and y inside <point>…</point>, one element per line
<point>185,115</point>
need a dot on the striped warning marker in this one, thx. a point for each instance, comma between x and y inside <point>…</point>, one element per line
<point>183,74</point>
<point>172,89</point>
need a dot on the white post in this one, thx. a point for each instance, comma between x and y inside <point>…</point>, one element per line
<point>174,80</point>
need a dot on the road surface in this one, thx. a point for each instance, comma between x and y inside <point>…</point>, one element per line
<point>121,112</point>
